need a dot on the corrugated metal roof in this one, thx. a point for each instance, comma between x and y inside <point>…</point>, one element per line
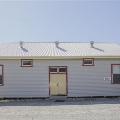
<point>64,49</point>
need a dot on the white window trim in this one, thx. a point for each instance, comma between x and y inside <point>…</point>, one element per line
<point>88,64</point>
<point>26,65</point>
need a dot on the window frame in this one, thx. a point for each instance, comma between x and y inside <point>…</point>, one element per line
<point>58,69</point>
<point>112,74</point>
<point>53,67</point>
<point>2,75</point>
<point>92,59</point>
<point>22,60</point>
<point>61,67</point>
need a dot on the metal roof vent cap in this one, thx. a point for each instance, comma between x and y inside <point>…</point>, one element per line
<point>21,44</point>
<point>57,43</point>
<point>92,43</point>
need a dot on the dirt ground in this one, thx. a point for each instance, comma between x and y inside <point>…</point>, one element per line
<point>77,109</point>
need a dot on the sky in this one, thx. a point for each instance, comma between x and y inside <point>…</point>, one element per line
<point>63,21</point>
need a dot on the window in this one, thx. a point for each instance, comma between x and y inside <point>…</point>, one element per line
<point>26,63</point>
<point>58,69</point>
<point>116,74</point>
<point>53,70</point>
<point>88,62</point>
<point>62,70</point>
<point>1,74</point>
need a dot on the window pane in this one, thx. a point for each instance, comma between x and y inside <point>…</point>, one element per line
<point>26,62</point>
<point>116,78</point>
<point>0,74</point>
<point>0,79</point>
<point>87,61</point>
<point>62,69</point>
<point>53,69</point>
<point>116,69</point>
<point>0,70</point>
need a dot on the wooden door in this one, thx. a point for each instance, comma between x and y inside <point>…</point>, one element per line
<point>57,84</point>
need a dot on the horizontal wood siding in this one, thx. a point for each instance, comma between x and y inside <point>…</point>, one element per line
<point>89,80</point>
<point>24,81</point>
<point>82,80</point>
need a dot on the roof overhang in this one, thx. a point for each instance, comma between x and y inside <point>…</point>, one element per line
<point>58,57</point>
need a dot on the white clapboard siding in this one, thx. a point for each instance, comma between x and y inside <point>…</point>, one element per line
<point>24,81</point>
<point>89,80</point>
<point>82,80</point>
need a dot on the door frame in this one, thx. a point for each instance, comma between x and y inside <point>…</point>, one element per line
<point>59,73</point>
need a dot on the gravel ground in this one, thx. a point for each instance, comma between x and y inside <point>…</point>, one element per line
<point>80,109</point>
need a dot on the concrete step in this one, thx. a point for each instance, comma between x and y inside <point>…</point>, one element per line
<point>57,97</point>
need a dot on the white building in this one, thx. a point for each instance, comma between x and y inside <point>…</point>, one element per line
<point>71,69</point>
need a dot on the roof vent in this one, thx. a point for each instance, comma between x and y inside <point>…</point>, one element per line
<point>57,43</point>
<point>21,44</point>
<point>92,43</point>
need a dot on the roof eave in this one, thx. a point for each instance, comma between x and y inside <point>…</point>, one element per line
<point>58,57</point>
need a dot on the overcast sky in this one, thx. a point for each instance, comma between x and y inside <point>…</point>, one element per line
<point>64,21</point>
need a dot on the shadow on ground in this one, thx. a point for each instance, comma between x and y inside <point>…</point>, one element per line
<point>47,102</point>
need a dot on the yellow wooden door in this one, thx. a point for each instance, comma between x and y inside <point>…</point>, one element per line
<point>53,84</point>
<point>57,84</point>
<point>62,84</point>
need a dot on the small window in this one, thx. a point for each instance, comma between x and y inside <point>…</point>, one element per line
<point>1,74</point>
<point>88,62</point>
<point>58,69</point>
<point>26,63</point>
<point>62,70</point>
<point>116,74</point>
<point>53,70</point>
